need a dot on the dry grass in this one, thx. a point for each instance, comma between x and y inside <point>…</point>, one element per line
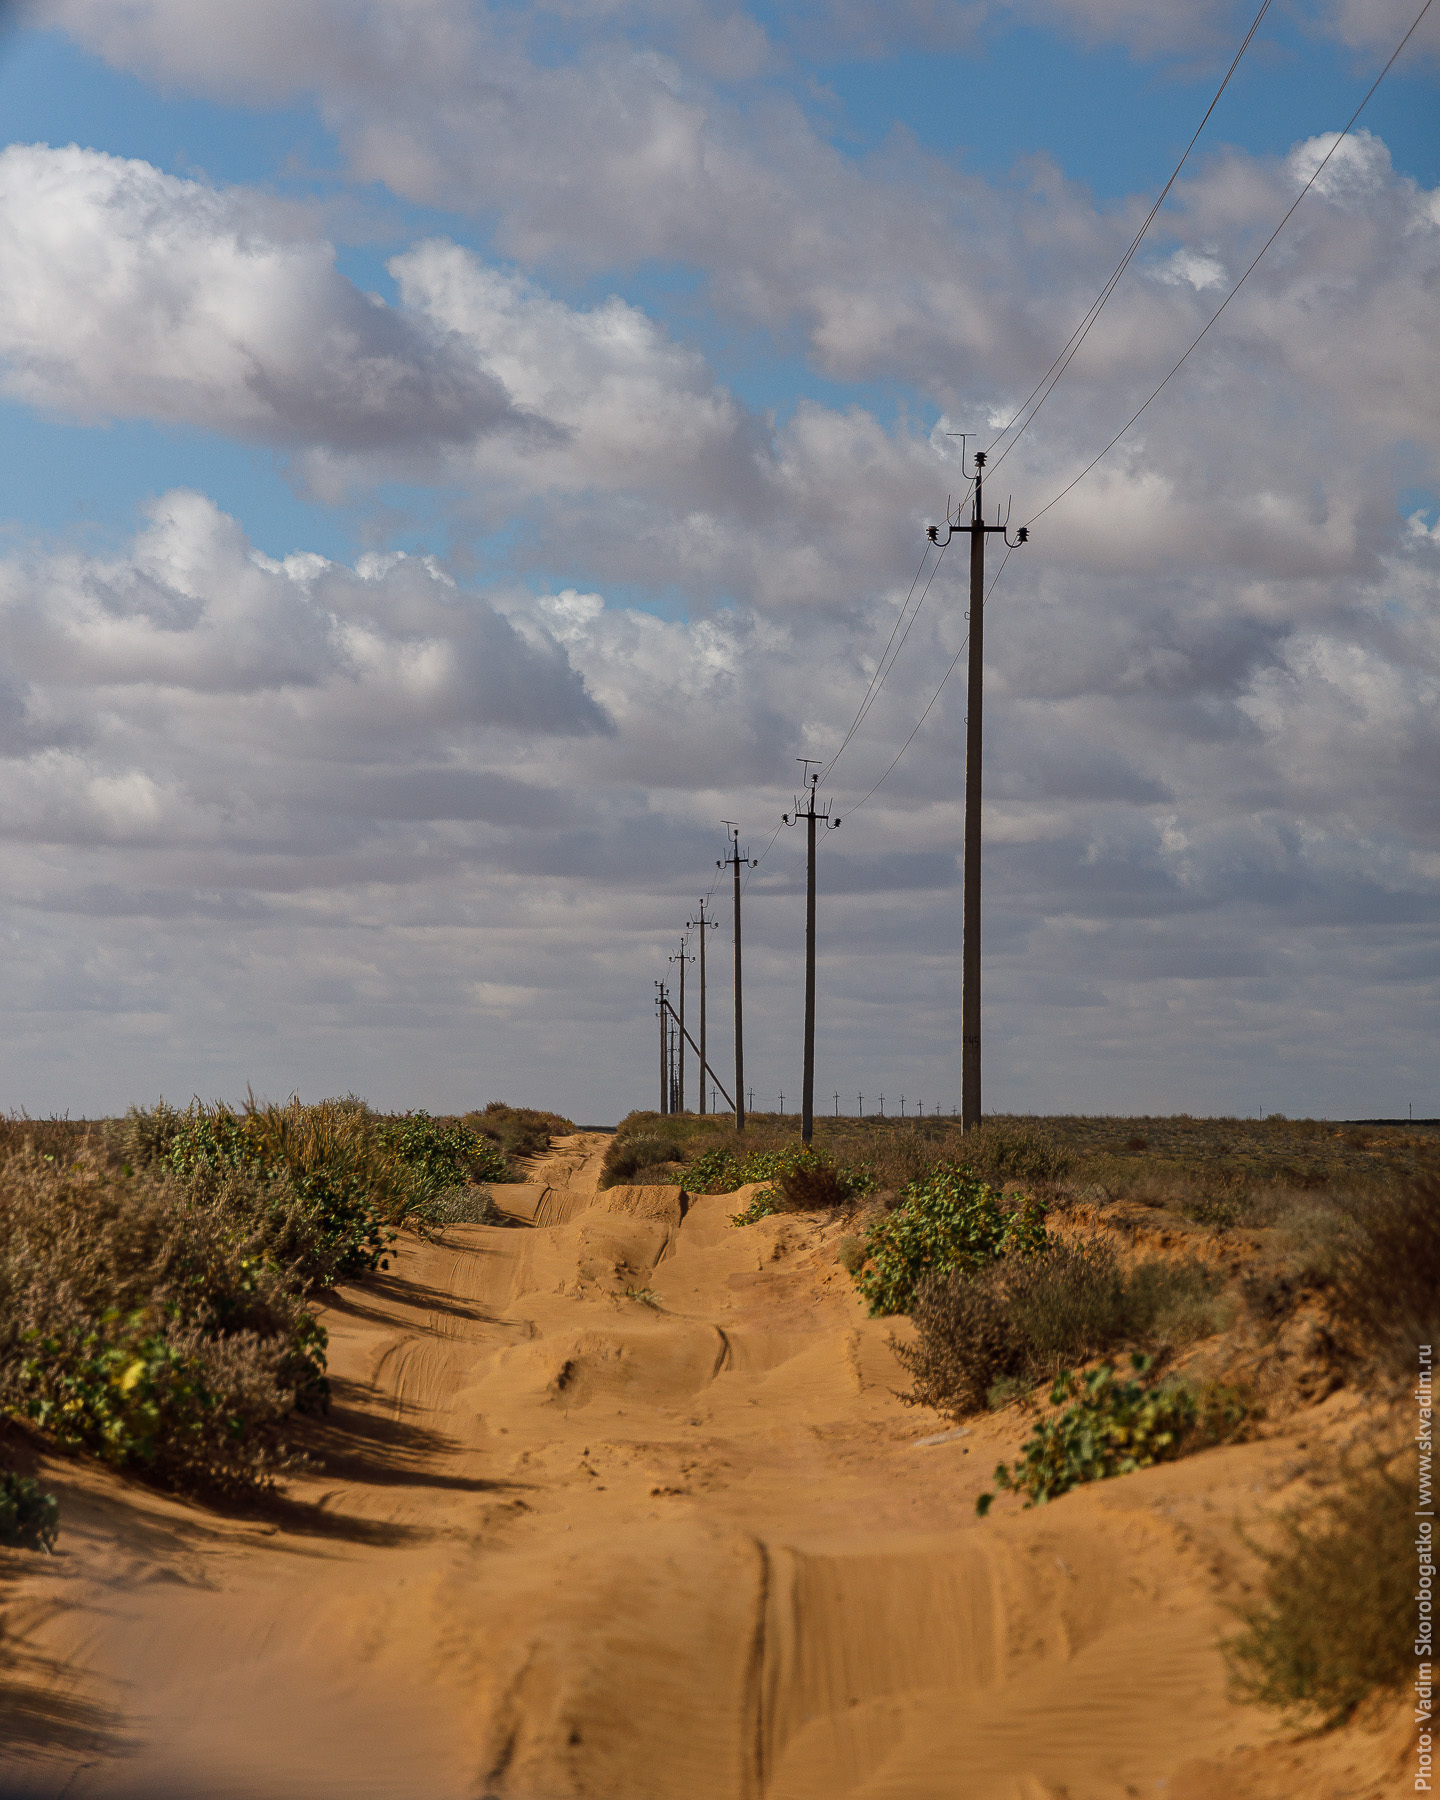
<point>1020,1321</point>
<point>1336,1618</point>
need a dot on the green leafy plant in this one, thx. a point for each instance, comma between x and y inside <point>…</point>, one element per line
<point>948,1221</point>
<point>441,1155</point>
<point>29,1517</point>
<point>1114,1427</point>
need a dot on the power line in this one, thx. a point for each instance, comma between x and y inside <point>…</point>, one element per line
<point>1245,277</point>
<point>877,676</point>
<point>1052,375</point>
<point>936,695</point>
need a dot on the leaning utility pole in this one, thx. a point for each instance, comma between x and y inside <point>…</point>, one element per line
<point>970,940</point>
<point>702,925</point>
<point>737,862</point>
<point>682,959</point>
<point>811,815</point>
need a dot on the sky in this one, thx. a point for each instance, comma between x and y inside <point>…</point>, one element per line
<point>457,455</point>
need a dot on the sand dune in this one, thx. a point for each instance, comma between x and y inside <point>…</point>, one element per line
<point>623,1503</point>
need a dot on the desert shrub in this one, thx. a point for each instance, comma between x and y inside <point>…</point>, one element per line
<point>1115,1427</point>
<point>851,1254</point>
<point>1336,1620</point>
<point>144,1325</point>
<point>518,1130</point>
<point>29,1517</point>
<point>441,1154</point>
<point>1386,1277</point>
<point>457,1206</point>
<point>1020,1320</point>
<point>949,1221</point>
<point>714,1172</point>
<point>326,1170</point>
<point>625,1157</point>
<point>1014,1150</point>
<point>811,1185</point>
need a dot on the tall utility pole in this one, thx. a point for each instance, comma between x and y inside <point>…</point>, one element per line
<point>974,738</point>
<point>702,925</point>
<point>660,998</point>
<point>737,862</point>
<point>681,958</point>
<point>811,814</point>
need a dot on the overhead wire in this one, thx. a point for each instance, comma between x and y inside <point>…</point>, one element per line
<point>936,695</point>
<point>1052,375</point>
<point>1315,176</point>
<point>880,665</point>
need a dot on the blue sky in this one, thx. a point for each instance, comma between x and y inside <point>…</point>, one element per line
<point>673,307</point>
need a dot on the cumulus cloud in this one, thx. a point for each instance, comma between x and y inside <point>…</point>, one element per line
<point>135,293</point>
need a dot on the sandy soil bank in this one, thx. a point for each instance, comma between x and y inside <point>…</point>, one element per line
<point>623,1503</point>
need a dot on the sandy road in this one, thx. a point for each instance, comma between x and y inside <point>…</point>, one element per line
<point>623,1503</point>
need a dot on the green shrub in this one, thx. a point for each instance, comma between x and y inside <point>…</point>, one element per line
<point>29,1518</point>
<point>1337,1619</point>
<point>441,1155</point>
<point>1115,1427</point>
<point>141,1323</point>
<point>804,1179</point>
<point>328,1167</point>
<point>715,1172</point>
<point>948,1221</point>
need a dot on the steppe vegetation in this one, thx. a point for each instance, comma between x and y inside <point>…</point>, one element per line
<point>157,1272</point>
<point>1032,1253</point>
<point>1127,1292</point>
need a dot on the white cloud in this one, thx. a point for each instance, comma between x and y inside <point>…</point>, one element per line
<point>134,293</point>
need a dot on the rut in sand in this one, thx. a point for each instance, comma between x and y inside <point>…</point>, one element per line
<point>618,1500</point>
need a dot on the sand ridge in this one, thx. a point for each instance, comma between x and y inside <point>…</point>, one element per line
<point>623,1502</point>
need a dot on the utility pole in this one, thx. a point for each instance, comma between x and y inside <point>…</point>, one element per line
<point>810,814</point>
<point>681,958</point>
<point>737,862</point>
<point>660,998</point>
<point>974,739</point>
<point>702,925</point>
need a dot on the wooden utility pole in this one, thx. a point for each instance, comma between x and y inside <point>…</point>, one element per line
<point>811,815</point>
<point>702,925</point>
<point>974,743</point>
<point>737,862</point>
<point>660,999</point>
<point>682,959</point>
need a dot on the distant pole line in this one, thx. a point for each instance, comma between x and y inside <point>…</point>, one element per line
<point>706,1067</point>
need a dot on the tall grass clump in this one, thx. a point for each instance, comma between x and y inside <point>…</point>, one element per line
<point>1335,1622</point>
<point>149,1324</point>
<point>949,1222</point>
<point>517,1130</point>
<point>633,1157</point>
<point>1019,1321</point>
